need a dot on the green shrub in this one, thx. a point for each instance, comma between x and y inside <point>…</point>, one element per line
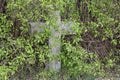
<point>98,18</point>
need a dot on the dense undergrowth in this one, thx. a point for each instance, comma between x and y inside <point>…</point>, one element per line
<point>94,48</point>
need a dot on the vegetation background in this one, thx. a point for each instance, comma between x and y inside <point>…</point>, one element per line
<point>93,51</point>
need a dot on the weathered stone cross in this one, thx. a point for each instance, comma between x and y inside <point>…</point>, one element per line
<point>55,38</point>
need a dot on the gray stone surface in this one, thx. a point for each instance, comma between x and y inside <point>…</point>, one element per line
<point>65,28</point>
<point>55,37</point>
<point>37,27</point>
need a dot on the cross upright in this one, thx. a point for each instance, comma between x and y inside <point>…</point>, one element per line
<point>55,37</point>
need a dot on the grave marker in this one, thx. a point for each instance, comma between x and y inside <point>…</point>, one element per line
<point>55,38</point>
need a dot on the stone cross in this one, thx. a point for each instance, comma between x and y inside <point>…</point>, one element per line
<point>60,28</point>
